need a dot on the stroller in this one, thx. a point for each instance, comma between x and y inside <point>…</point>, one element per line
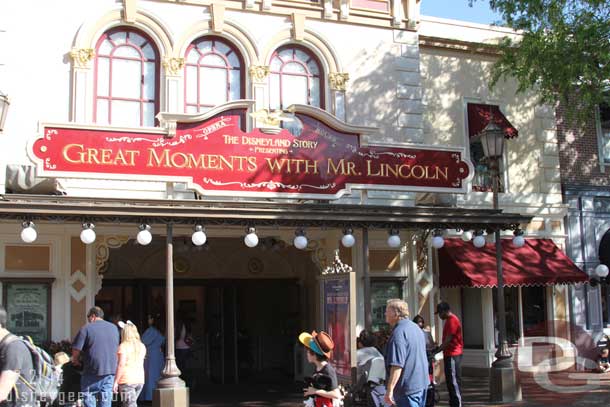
<point>432,394</point>
<point>370,388</point>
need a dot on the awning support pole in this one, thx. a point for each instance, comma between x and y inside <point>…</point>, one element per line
<point>368,316</point>
<point>171,373</point>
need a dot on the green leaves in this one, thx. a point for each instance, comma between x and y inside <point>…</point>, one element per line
<point>564,51</point>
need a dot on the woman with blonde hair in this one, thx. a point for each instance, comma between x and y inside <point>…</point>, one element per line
<point>129,378</point>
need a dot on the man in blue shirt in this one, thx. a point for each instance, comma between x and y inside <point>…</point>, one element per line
<point>406,360</point>
<point>97,342</point>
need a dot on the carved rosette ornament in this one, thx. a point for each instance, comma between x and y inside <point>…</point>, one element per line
<point>259,73</point>
<point>82,56</point>
<point>173,66</point>
<point>338,80</point>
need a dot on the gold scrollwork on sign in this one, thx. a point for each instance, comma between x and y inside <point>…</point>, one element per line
<point>338,80</point>
<point>173,66</point>
<point>82,56</point>
<point>259,73</point>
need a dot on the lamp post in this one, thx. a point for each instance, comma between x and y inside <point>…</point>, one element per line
<point>504,386</point>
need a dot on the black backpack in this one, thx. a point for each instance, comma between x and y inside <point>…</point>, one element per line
<point>47,377</point>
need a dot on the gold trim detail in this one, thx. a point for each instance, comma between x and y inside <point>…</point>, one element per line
<point>338,80</point>
<point>102,250</point>
<point>259,73</point>
<point>82,56</point>
<point>173,66</point>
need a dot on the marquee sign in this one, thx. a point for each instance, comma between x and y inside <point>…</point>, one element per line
<point>313,156</point>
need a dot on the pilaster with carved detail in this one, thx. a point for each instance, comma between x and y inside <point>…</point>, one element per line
<point>338,80</point>
<point>81,57</point>
<point>173,66</point>
<point>259,73</point>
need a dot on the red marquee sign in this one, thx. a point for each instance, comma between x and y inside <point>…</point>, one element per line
<point>314,156</point>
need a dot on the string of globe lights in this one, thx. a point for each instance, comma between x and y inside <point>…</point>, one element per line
<point>300,241</point>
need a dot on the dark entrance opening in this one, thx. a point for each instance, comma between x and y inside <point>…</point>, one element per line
<point>244,326</point>
<point>243,330</point>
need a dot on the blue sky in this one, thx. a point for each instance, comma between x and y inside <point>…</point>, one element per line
<point>459,10</point>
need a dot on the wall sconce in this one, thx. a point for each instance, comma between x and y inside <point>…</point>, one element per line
<point>4,104</point>
<point>28,233</point>
<point>199,237</point>
<point>144,236</point>
<point>300,240</point>
<point>348,239</point>
<point>394,238</point>
<point>251,239</point>
<point>87,235</point>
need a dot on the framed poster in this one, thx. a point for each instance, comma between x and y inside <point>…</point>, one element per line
<point>28,305</point>
<point>339,306</point>
<point>381,292</point>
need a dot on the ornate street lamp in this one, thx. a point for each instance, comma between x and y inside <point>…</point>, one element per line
<point>503,385</point>
<point>4,104</point>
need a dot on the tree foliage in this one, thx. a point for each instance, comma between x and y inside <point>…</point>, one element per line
<point>564,50</point>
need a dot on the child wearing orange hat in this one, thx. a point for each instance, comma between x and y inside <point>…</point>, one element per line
<point>323,386</point>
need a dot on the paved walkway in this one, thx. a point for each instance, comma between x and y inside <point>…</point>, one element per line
<point>552,390</point>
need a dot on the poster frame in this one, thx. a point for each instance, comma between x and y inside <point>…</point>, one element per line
<point>352,306</point>
<point>45,283</point>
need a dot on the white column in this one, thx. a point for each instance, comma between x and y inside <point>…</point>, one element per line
<point>82,85</point>
<point>338,85</point>
<point>489,333</point>
<point>172,81</point>
<point>260,89</point>
<point>520,316</point>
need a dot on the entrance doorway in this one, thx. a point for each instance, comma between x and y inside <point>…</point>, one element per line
<point>245,306</point>
<point>243,330</point>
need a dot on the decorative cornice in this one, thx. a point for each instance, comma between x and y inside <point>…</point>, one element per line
<point>173,66</point>
<point>82,56</point>
<point>259,73</point>
<point>338,80</point>
<point>457,45</point>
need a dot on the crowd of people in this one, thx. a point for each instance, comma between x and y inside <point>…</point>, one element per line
<point>115,360</point>
<point>406,375</point>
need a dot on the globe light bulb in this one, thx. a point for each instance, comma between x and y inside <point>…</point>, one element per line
<point>144,236</point>
<point>478,241</point>
<point>251,239</point>
<point>199,237</point>
<point>300,242</point>
<point>394,241</point>
<point>438,242</point>
<point>518,241</point>
<point>467,236</point>
<point>28,233</point>
<point>348,239</point>
<point>602,271</point>
<point>87,235</point>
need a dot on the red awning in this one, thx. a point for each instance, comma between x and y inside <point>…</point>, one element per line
<point>479,116</point>
<point>539,262</point>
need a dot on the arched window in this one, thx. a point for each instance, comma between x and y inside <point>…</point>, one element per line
<point>295,78</point>
<point>127,76</point>
<point>213,74</point>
